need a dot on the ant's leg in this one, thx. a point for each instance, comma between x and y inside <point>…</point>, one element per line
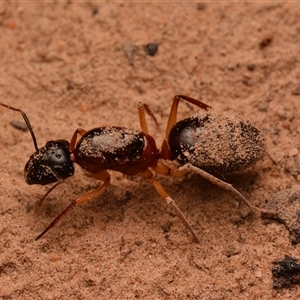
<point>148,174</point>
<point>142,107</point>
<point>171,202</point>
<point>39,203</point>
<point>74,138</point>
<point>163,169</point>
<point>59,181</point>
<point>71,148</point>
<point>102,175</point>
<point>165,151</point>
<point>225,186</point>
<point>173,112</point>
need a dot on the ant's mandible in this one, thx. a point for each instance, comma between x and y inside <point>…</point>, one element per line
<point>209,143</point>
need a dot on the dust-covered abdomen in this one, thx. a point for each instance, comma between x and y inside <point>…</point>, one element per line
<point>217,142</point>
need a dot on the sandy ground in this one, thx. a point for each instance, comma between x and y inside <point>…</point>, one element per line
<point>70,65</point>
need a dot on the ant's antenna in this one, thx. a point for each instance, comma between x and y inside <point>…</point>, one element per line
<point>26,121</point>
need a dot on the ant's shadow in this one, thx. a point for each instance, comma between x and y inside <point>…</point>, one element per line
<point>137,202</point>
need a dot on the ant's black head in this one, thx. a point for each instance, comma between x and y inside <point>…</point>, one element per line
<point>49,164</point>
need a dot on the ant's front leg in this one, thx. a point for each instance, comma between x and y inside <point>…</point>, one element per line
<point>60,180</point>
<point>39,203</point>
<point>103,176</point>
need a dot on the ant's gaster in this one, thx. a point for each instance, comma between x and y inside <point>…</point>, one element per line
<point>209,143</point>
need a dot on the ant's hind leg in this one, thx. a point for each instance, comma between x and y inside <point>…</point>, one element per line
<point>225,186</point>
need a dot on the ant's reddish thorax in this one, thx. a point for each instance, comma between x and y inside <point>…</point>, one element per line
<point>116,148</point>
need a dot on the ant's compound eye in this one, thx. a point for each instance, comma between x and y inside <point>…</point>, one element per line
<point>49,164</point>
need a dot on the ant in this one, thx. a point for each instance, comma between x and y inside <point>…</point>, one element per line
<point>209,143</point>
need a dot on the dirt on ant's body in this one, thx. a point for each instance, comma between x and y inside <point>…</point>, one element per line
<point>209,143</point>
<point>216,142</point>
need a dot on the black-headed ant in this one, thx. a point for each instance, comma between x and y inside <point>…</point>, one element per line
<point>209,143</point>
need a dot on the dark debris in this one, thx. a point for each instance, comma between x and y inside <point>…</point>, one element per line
<point>151,49</point>
<point>286,272</point>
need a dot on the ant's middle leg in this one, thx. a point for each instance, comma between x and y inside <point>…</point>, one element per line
<point>142,108</point>
<point>149,175</point>
<point>163,169</point>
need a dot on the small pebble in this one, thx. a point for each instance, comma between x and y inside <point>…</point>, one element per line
<point>293,152</point>
<point>151,49</point>
<point>130,49</point>
<point>19,125</point>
